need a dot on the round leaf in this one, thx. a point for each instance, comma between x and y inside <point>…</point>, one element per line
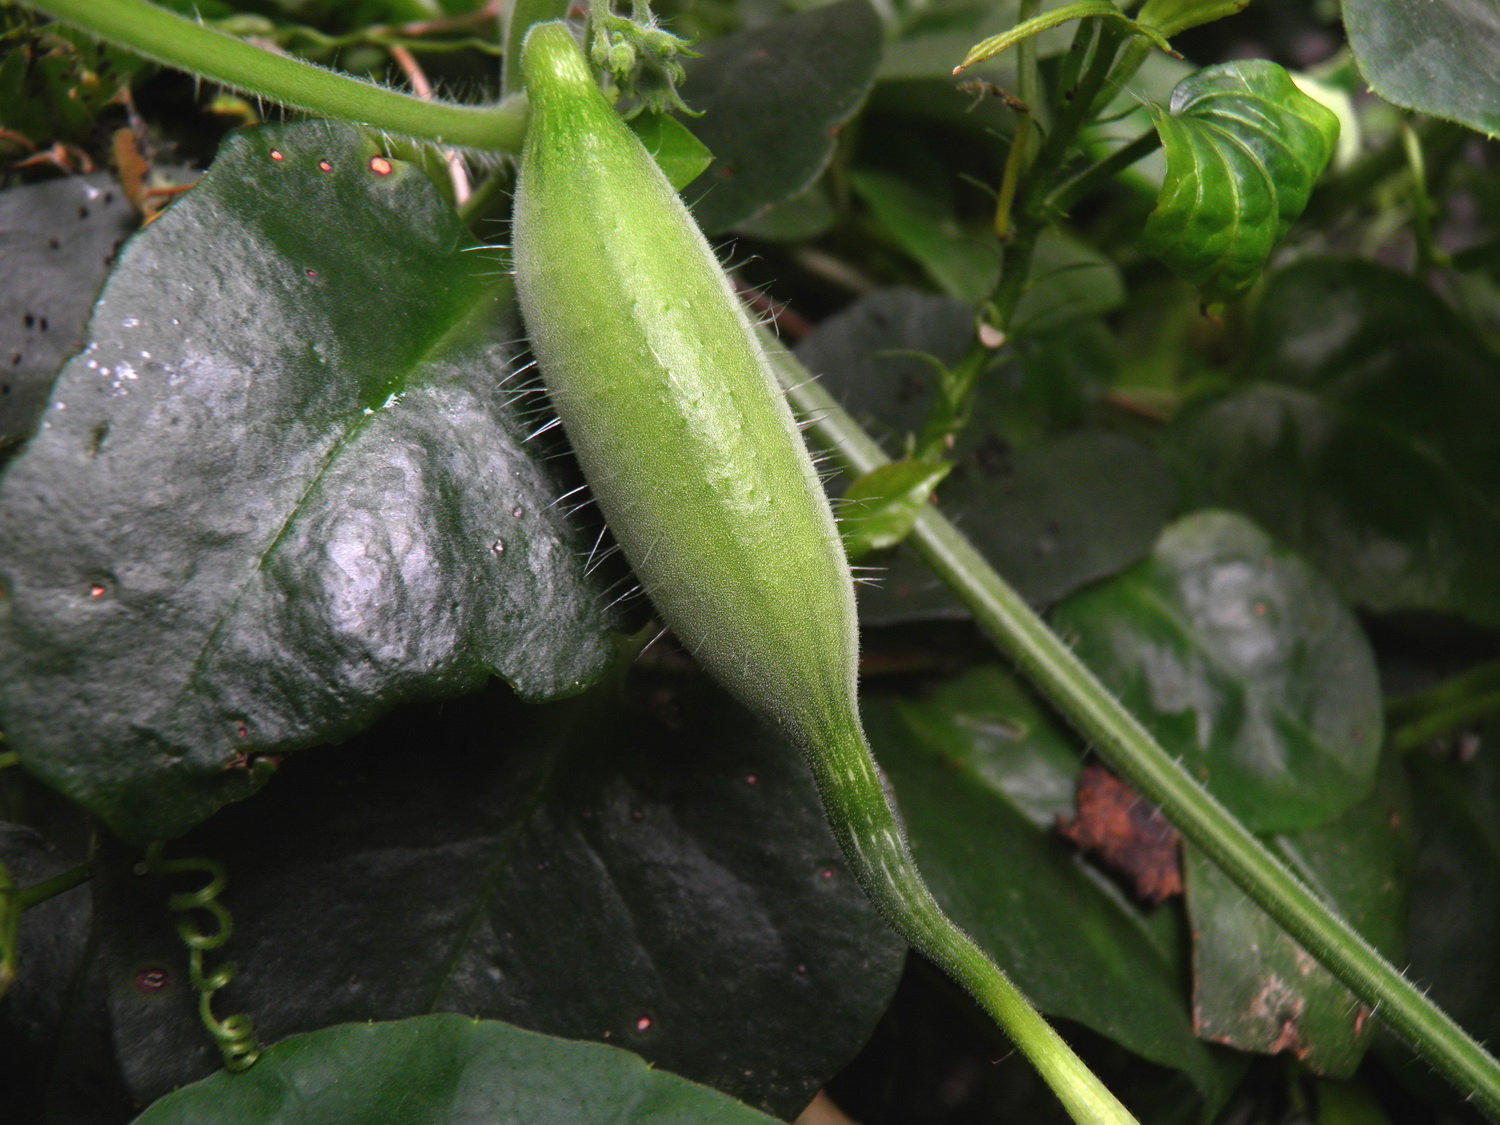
<point>1388,482</point>
<point>1437,56</point>
<point>772,101</point>
<point>446,1070</point>
<point>1254,987</point>
<point>1242,661</point>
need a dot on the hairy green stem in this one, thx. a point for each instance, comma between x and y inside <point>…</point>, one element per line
<point>875,847</point>
<point>1129,748</point>
<point>167,38</point>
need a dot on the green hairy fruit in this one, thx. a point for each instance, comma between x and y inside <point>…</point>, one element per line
<point>699,469</point>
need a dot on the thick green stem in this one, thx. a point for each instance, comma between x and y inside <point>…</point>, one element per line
<point>877,853</point>
<point>1127,746</point>
<point>158,34</point>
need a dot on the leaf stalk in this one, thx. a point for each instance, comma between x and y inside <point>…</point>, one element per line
<point>170,39</point>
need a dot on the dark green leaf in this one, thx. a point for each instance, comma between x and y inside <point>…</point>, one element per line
<point>880,507</point>
<point>1437,56</point>
<point>1053,515</point>
<point>1454,926</point>
<point>1240,659</point>
<point>773,99</point>
<point>1069,282</point>
<point>982,773</point>
<point>57,241</point>
<point>964,265</point>
<point>680,155</point>
<point>1051,518</point>
<point>803,216</point>
<point>1255,987</point>
<point>1244,147</point>
<point>56,1058</point>
<point>1389,482</point>
<point>655,875</point>
<point>278,492</point>
<point>446,1070</point>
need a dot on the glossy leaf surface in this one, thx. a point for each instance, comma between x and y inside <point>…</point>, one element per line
<point>1244,147</point>
<point>1239,658</point>
<point>982,774</point>
<point>653,872</point>
<point>772,101</point>
<point>1437,57</point>
<point>1369,440</point>
<point>279,491</point>
<point>446,1070</point>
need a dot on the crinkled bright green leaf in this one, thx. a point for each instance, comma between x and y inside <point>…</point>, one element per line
<point>279,491</point>
<point>1436,56</point>
<point>982,774</point>
<point>773,99</point>
<point>881,506</point>
<point>446,1070</point>
<point>1254,987</point>
<point>1244,147</point>
<point>1369,439</point>
<point>679,154</point>
<point>1244,664</point>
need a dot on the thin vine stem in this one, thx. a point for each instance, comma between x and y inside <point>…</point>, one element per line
<point>1062,198</point>
<point>168,38</point>
<point>1130,749</point>
<point>37,893</point>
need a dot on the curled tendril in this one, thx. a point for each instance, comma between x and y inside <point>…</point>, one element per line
<point>235,1035</point>
<point>641,58</point>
